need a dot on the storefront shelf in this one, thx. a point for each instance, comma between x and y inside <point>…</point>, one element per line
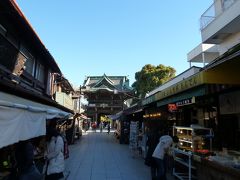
<point>185,141</point>
<point>179,160</point>
<point>184,158</point>
<point>183,176</point>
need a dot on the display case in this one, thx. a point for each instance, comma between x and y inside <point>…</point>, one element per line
<point>195,139</point>
<point>192,140</point>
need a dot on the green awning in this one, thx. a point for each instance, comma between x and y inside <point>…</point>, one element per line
<point>199,91</point>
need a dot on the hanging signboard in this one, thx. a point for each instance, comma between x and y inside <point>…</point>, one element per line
<point>186,102</point>
<point>183,85</point>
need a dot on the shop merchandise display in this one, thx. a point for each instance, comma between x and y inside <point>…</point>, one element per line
<point>195,150</point>
<point>195,139</point>
<point>228,158</point>
<point>192,140</point>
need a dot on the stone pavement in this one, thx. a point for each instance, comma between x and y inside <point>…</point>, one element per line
<point>99,156</point>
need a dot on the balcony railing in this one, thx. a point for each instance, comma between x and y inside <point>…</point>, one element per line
<point>215,10</point>
<point>64,99</point>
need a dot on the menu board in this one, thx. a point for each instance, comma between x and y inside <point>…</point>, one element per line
<point>134,128</point>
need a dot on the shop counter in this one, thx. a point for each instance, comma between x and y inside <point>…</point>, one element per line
<point>4,175</point>
<point>212,170</point>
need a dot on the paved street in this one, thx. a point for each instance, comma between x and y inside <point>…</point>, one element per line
<point>99,156</point>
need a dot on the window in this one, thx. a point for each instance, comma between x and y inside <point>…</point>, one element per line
<point>227,3</point>
<point>29,66</point>
<point>76,104</point>
<point>8,53</point>
<point>30,62</point>
<point>40,72</point>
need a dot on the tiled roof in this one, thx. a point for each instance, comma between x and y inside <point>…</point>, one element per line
<point>119,82</point>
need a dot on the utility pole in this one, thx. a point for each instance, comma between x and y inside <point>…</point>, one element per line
<point>79,105</point>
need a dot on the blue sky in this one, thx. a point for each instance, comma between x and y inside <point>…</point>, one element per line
<point>116,37</point>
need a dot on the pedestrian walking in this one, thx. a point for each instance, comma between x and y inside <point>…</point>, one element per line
<point>85,126</point>
<point>108,128</point>
<point>94,126</point>
<point>54,155</point>
<point>159,155</point>
<point>101,126</point>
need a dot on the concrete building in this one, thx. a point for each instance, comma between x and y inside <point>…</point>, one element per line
<point>220,31</point>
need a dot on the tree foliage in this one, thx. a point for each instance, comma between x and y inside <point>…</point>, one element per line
<point>151,77</point>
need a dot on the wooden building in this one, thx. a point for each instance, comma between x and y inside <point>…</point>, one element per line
<point>105,95</point>
<point>27,77</point>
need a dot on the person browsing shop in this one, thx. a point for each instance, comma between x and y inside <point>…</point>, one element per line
<point>152,141</point>
<point>159,155</point>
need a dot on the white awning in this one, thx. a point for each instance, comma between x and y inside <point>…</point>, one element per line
<point>22,119</point>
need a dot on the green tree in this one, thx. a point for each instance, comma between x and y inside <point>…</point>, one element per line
<point>151,77</point>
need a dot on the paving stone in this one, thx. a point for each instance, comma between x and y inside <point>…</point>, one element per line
<point>98,156</point>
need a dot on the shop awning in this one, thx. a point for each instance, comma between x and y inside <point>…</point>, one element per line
<point>83,116</point>
<point>224,74</point>
<point>231,54</point>
<point>186,84</point>
<point>133,111</point>
<point>22,119</point>
<point>200,91</point>
<point>115,116</point>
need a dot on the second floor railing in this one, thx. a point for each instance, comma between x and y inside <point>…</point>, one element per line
<point>216,9</point>
<point>64,99</point>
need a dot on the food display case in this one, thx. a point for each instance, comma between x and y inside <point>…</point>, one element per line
<point>192,140</point>
<point>195,139</point>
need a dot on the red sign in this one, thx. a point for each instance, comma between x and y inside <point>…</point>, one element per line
<point>172,107</point>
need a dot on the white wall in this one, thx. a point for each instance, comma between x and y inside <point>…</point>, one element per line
<point>218,7</point>
<point>229,43</point>
<point>221,20</point>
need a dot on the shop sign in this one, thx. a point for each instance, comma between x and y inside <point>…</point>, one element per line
<point>148,100</point>
<point>181,86</point>
<point>185,102</point>
<point>172,107</point>
<point>193,81</point>
<point>153,115</point>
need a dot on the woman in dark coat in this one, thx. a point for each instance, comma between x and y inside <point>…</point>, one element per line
<point>152,141</point>
<point>25,161</point>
